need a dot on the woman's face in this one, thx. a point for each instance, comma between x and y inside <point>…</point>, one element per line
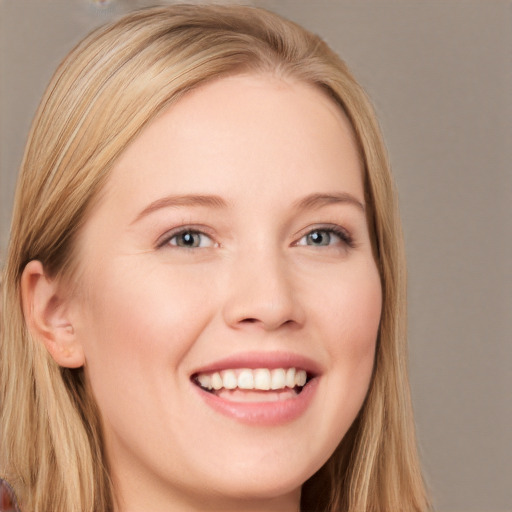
<point>229,247</point>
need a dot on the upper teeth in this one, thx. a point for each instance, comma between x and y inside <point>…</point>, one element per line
<point>261,379</point>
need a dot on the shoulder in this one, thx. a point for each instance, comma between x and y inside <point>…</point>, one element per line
<point>7,498</point>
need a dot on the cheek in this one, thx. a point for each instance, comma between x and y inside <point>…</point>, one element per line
<point>360,330</point>
<point>352,311</point>
<point>140,311</point>
<point>353,330</point>
<point>137,329</point>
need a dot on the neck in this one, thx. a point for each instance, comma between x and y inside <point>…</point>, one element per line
<point>219,504</point>
<point>140,500</point>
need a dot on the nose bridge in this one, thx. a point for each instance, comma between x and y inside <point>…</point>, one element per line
<point>261,290</point>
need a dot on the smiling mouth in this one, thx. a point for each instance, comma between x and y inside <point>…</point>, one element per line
<point>253,385</point>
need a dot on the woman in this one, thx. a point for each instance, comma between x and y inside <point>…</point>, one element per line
<point>204,298</point>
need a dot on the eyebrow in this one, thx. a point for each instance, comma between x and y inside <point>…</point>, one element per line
<point>213,201</point>
<point>210,201</point>
<point>320,200</point>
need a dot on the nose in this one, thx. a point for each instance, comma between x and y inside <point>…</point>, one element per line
<point>262,293</point>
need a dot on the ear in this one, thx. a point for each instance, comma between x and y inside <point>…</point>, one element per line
<point>47,313</point>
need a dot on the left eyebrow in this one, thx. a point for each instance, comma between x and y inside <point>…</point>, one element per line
<point>319,200</point>
<point>210,201</point>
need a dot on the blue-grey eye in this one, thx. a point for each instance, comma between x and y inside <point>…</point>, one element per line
<point>319,237</point>
<point>191,240</point>
<point>324,237</point>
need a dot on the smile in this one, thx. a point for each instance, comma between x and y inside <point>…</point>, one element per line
<point>259,389</point>
<point>260,379</point>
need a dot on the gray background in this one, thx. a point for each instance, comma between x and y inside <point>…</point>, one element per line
<point>440,75</point>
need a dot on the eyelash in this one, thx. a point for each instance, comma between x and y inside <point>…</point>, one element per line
<point>337,231</point>
<point>181,232</point>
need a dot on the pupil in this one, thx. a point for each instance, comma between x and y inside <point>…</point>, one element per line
<point>319,238</point>
<point>187,239</point>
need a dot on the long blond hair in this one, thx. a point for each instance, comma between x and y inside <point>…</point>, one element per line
<point>103,94</point>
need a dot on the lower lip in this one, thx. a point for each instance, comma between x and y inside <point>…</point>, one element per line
<point>263,413</point>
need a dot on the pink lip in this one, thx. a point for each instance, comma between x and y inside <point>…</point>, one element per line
<point>263,413</point>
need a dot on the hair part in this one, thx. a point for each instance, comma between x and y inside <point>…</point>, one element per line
<point>102,95</point>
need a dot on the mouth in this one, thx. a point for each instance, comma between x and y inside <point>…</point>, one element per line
<point>259,388</point>
<point>254,385</point>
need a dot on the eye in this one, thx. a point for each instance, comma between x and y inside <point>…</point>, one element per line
<point>190,239</point>
<point>323,237</point>
<point>319,237</point>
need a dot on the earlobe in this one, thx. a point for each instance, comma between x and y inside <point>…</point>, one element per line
<point>46,312</point>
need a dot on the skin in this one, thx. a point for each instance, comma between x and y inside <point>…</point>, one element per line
<point>149,312</point>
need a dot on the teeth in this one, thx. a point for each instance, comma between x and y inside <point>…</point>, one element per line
<point>260,379</point>
<point>246,380</point>
<point>300,378</point>
<point>278,379</point>
<point>217,381</point>
<point>205,380</point>
<point>290,378</point>
<point>229,379</point>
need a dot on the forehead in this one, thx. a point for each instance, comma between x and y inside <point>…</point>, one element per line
<point>253,131</point>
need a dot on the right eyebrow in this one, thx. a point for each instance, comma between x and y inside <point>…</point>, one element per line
<point>210,201</point>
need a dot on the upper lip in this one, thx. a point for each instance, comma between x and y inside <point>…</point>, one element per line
<point>270,360</point>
